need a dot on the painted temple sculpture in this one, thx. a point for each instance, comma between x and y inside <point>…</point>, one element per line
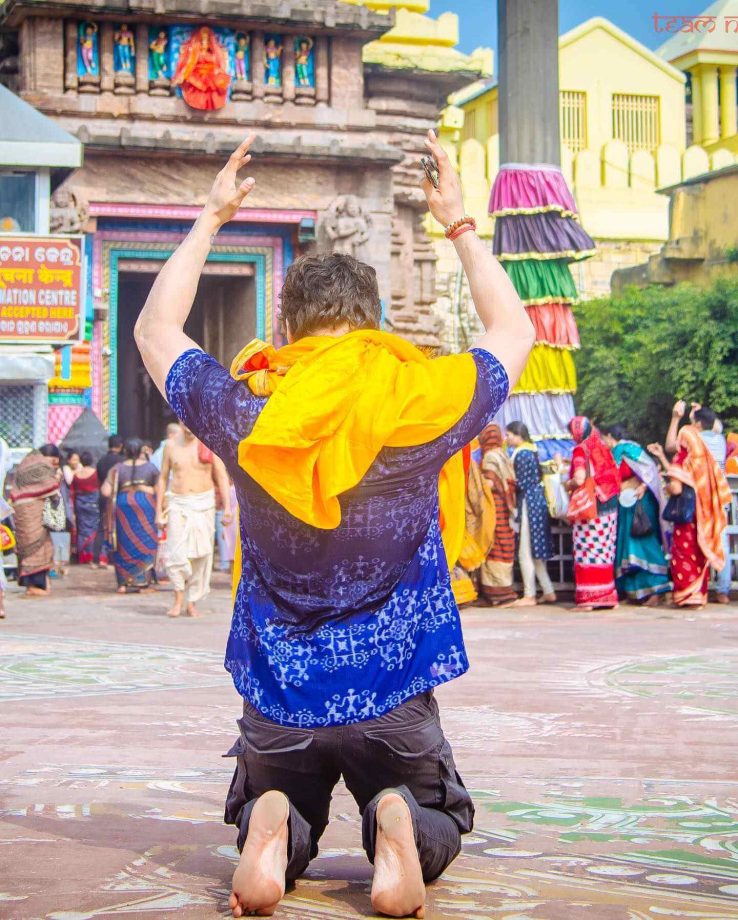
<point>202,71</point>
<point>125,50</point>
<point>88,60</point>
<point>158,65</point>
<point>242,56</point>
<point>273,49</point>
<point>304,70</point>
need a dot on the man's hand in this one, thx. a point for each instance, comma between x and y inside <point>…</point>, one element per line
<point>680,407</point>
<point>695,407</point>
<point>445,202</point>
<point>227,195</point>
<point>508,332</point>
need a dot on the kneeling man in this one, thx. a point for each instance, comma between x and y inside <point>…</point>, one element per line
<point>339,445</point>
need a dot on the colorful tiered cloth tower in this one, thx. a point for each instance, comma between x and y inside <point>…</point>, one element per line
<point>537,236</point>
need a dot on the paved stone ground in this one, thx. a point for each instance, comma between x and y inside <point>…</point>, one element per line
<point>601,750</point>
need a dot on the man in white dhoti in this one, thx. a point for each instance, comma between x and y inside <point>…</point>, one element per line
<point>189,517</point>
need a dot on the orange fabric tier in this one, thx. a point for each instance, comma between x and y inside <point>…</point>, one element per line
<point>554,324</point>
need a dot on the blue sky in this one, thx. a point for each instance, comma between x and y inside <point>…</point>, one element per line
<point>478,18</point>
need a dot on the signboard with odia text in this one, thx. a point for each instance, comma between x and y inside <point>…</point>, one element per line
<point>41,289</point>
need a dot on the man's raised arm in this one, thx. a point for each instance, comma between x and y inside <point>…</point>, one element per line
<point>159,331</point>
<point>509,333</point>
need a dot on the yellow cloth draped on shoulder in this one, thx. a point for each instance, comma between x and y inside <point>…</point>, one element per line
<point>334,403</point>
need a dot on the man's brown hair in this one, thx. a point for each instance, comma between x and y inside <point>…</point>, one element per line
<point>326,291</point>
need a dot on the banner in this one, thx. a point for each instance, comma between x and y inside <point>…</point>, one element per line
<point>41,296</point>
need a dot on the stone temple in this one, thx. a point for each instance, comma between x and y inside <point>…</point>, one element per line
<point>159,95</point>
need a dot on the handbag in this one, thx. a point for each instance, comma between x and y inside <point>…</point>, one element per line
<point>583,501</point>
<point>54,515</point>
<point>681,509</point>
<point>640,526</point>
<point>557,498</point>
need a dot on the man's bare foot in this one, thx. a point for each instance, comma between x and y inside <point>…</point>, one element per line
<point>174,611</point>
<point>398,889</point>
<point>121,590</point>
<point>37,592</point>
<point>192,611</point>
<point>259,882</point>
<point>522,602</point>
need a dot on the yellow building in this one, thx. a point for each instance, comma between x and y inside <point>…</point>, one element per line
<point>623,136</point>
<point>703,234</point>
<point>709,57</point>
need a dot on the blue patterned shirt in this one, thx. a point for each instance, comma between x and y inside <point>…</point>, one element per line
<point>332,627</point>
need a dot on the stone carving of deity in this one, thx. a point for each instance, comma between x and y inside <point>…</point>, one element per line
<point>202,71</point>
<point>304,72</point>
<point>158,64</point>
<point>346,224</point>
<point>68,212</point>
<point>125,50</point>
<point>88,53</point>
<point>242,56</point>
<point>273,62</point>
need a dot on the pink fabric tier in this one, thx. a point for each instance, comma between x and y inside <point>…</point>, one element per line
<point>534,188</point>
<point>554,324</point>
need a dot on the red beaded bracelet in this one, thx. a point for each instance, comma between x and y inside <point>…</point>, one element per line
<point>452,227</point>
<point>462,229</point>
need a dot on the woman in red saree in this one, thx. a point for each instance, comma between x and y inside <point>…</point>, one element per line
<point>595,541</point>
<point>696,544</point>
<point>202,71</point>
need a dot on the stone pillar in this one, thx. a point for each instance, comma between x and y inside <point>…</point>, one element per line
<point>257,64</point>
<point>42,56</point>
<point>70,55</point>
<point>322,75</point>
<point>142,57</point>
<point>288,68</point>
<point>710,129</point>
<point>728,118</point>
<point>106,57</point>
<point>696,105</point>
<point>528,39</point>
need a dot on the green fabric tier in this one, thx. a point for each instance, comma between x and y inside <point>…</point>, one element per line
<point>542,281</point>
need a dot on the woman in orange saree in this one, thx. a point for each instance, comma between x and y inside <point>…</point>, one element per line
<point>202,71</point>
<point>697,543</point>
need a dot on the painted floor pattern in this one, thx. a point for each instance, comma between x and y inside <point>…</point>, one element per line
<point>601,751</point>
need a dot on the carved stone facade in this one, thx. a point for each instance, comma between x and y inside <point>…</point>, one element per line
<point>68,212</point>
<point>346,225</point>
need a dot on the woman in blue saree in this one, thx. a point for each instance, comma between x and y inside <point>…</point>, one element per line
<point>641,568</point>
<point>132,486</point>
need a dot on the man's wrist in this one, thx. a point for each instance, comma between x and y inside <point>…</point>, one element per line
<point>207,224</point>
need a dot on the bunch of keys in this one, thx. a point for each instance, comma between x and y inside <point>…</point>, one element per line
<point>431,169</point>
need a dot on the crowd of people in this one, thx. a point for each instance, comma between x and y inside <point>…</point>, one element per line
<point>654,528</point>
<point>648,524</point>
<point>152,515</point>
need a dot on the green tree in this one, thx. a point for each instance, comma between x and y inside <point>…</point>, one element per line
<point>645,348</point>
